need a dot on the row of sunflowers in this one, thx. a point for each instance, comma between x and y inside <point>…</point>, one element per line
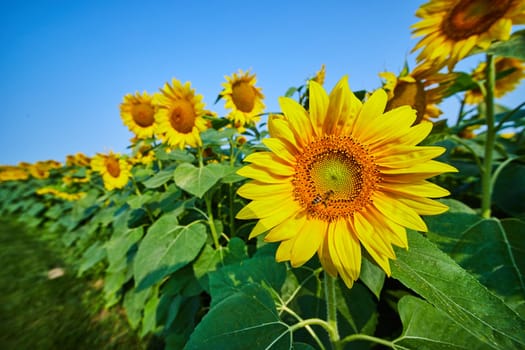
<point>350,185</point>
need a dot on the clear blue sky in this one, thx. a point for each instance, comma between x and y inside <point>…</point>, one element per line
<point>66,65</point>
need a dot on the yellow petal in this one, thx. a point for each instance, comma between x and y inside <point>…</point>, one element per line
<point>270,161</point>
<point>308,241</point>
<point>299,120</point>
<point>403,157</point>
<point>284,252</point>
<point>343,107</point>
<point>263,208</point>
<point>288,228</point>
<point>324,256</point>
<point>280,128</point>
<point>419,188</point>
<point>372,234</point>
<point>424,206</point>
<point>278,217</point>
<point>281,149</point>
<point>378,257</point>
<point>398,212</point>
<point>255,172</point>
<point>349,251</point>
<point>260,190</point>
<point>318,105</point>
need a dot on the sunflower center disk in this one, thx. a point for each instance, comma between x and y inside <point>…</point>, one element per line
<point>113,166</point>
<point>470,17</point>
<point>243,96</point>
<point>182,117</point>
<point>334,177</point>
<point>143,115</point>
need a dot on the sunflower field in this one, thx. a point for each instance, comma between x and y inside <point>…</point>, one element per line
<point>351,219</point>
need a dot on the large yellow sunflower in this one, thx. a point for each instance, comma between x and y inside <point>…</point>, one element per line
<point>452,28</point>
<point>342,176</point>
<point>243,98</point>
<point>179,115</point>
<point>138,114</point>
<point>422,89</point>
<point>114,169</point>
<point>512,71</point>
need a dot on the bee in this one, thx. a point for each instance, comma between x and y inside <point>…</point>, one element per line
<point>322,198</point>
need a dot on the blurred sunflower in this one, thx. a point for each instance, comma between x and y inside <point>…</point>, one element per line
<point>511,71</point>
<point>320,75</point>
<point>13,173</point>
<point>179,115</point>
<point>422,89</point>
<point>342,176</point>
<point>115,170</point>
<point>243,98</point>
<point>452,28</point>
<point>79,159</point>
<point>138,114</point>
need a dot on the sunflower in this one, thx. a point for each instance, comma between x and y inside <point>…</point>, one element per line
<point>243,98</point>
<point>114,169</point>
<point>341,176</point>
<point>13,173</point>
<point>179,115</point>
<point>452,28</point>
<point>138,114</point>
<point>511,71</point>
<point>422,89</point>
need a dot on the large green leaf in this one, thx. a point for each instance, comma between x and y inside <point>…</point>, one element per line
<point>425,327</point>
<point>490,249</point>
<point>198,181</point>
<point>118,246</point>
<point>246,319</point>
<point>94,254</point>
<point>514,47</point>
<point>159,178</point>
<point>436,277</point>
<point>509,191</point>
<point>166,248</point>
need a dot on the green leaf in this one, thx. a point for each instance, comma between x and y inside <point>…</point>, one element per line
<point>118,246</point>
<point>149,320</point>
<point>159,178</point>
<point>165,249</point>
<point>134,302</point>
<point>509,190</point>
<point>514,47</point>
<point>246,319</point>
<point>425,327</point>
<point>372,276</point>
<point>437,278</point>
<point>176,154</point>
<point>94,254</point>
<point>259,269</point>
<point>488,248</point>
<point>197,181</point>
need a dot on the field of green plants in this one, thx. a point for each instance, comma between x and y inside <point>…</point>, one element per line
<point>349,220</point>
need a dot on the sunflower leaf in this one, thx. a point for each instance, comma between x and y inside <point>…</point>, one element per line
<point>159,178</point>
<point>165,249</point>
<point>436,277</point>
<point>425,327</point>
<point>245,319</point>
<point>514,47</point>
<point>490,249</point>
<point>198,181</point>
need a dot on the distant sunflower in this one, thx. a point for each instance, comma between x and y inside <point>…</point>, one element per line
<point>511,70</point>
<point>452,28</point>
<point>115,170</point>
<point>138,114</point>
<point>179,115</point>
<point>243,98</point>
<point>342,176</point>
<point>421,89</point>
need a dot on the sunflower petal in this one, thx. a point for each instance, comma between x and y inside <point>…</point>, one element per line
<point>399,212</point>
<point>308,241</point>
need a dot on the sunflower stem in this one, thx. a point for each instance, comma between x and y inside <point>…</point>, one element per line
<point>486,174</point>
<point>354,337</point>
<point>215,237</point>
<point>331,311</point>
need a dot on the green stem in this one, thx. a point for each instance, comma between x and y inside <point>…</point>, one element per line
<point>486,174</point>
<point>214,235</point>
<point>369,338</point>
<point>306,326</point>
<point>331,310</point>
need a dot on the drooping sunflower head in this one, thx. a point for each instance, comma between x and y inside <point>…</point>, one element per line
<point>179,115</point>
<point>243,98</point>
<point>342,176</point>
<point>419,89</point>
<point>509,72</point>
<point>114,169</point>
<point>452,28</point>
<point>138,114</point>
